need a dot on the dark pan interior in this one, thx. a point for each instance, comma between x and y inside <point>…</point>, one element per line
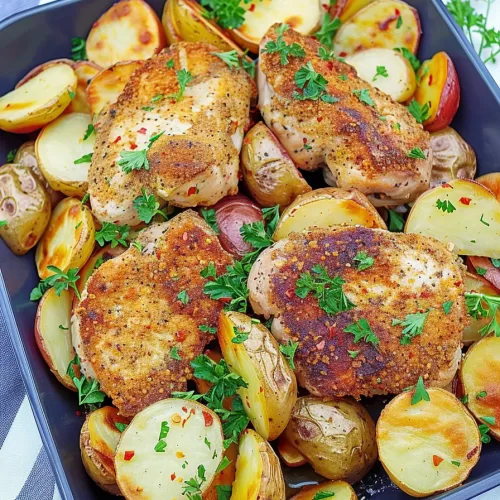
<point>45,33</point>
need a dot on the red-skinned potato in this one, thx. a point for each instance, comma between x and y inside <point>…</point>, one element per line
<point>439,87</point>
<point>491,182</point>
<point>53,335</point>
<point>289,454</point>
<point>231,213</point>
<point>129,31</point>
<point>345,9</point>
<point>484,267</point>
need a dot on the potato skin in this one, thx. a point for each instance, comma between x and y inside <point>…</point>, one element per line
<point>337,437</point>
<point>25,205</point>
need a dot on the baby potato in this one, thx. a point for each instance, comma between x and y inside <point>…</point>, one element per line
<point>427,446</point>
<point>251,351</point>
<point>345,9</point>
<point>85,71</point>
<point>268,171</point>
<point>336,437</point>
<point>24,205</point>
<point>338,490</point>
<point>69,239</point>
<point>289,454</point>
<point>480,377</point>
<point>258,470</point>
<point>64,150</point>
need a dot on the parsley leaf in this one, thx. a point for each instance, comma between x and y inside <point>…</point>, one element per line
<point>3,223</point>
<point>413,326</point>
<point>183,297</point>
<point>78,51</point>
<point>133,160</point>
<point>121,427</point>
<point>399,22</point>
<point>321,495</point>
<point>288,350</point>
<point>209,215</point>
<point>88,389</point>
<point>445,206</point>
<point>224,463</point>
<point>416,153</point>
<point>313,84</point>
<point>183,77</point>
<point>325,54</point>
<point>396,222</point>
<point>484,430</point>
<point>224,491</point>
<point>112,233</point>
<point>84,159</point>
<point>380,71</point>
<point>364,96</point>
<point>90,130</point>
<point>419,112</point>
<point>227,13</point>
<point>174,353</point>
<point>187,395</point>
<point>282,48</point>
<point>147,207</point>
<point>11,155</point>
<point>231,58</point>
<point>193,486</point>
<point>353,354</point>
<point>362,331</point>
<point>59,281</point>
<point>447,306</point>
<point>364,261</point>
<point>420,393</point>
<point>239,337</point>
<point>328,30</point>
<point>234,422</point>
<point>488,420</point>
<point>208,329</point>
<point>413,60</point>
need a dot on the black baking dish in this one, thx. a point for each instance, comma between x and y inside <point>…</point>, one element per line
<point>45,33</point>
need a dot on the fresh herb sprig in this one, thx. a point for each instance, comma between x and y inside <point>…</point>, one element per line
<point>183,77</point>
<point>413,326</point>
<point>60,281</point>
<point>288,350</point>
<point>88,389</point>
<point>282,48</point>
<point>147,207</point>
<point>312,84</point>
<point>112,233</point>
<point>328,30</point>
<point>229,14</point>
<point>362,331</point>
<point>481,305</point>
<point>78,50</point>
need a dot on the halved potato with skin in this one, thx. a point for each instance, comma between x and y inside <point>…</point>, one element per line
<point>430,446</point>
<point>345,9</point>
<point>469,226</point>
<point>492,182</point>
<point>42,67</point>
<point>272,388</point>
<point>68,240</point>
<point>376,25</point>
<point>185,427</point>
<point>290,455</point>
<point>58,146</point>
<point>484,267</point>
<point>39,101</point>
<point>53,334</point>
<point>129,30</point>
<point>258,470</point>
<point>328,207</point>
<point>480,377</point>
<point>226,476</point>
<point>340,490</point>
<point>85,71</point>
<point>400,82</point>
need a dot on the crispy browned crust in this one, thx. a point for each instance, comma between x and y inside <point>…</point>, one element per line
<point>130,317</point>
<point>385,291</point>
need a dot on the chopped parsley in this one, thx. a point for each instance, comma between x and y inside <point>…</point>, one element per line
<point>88,389</point>
<point>483,221</point>
<point>481,394</point>
<point>224,463</point>
<point>396,222</point>
<point>84,159</point>
<point>481,271</point>
<point>380,71</point>
<point>325,54</point>
<point>224,491</point>
<point>313,85</point>
<point>399,22</point>
<point>174,353</point>
<point>328,30</point>
<point>78,51</point>
<point>170,63</point>
<point>239,337</point>
<point>353,354</point>
<point>157,97</point>
<point>183,297</point>
<point>11,155</point>
<point>71,94</point>
<point>488,420</point>
<point>288,350</point>
<point>231,58</point>
<point>3,223</point>
<point>90,130</point>
<point>183,77</point>
<point>60,281</point>
<point>282,48</point>
<point>413,326</point>
<point>209,215</point>
<point>447,306</point>
<point>193,486</point>
<point>420,394</point>
<point>480,305</point>
<point>484,431</point>
<point>121,427</point>
<point>362,331</point>
<point>363,261</point>
<point>61,327</point>
<point>455,462</point>
<point>364,96</point>
<point>416,154</point>
<point>227,14</point>
<point>147,207</point>
<point>112,233</point>
<point>137,160</point>
<point>208,329</point>
<point>445,206</point>
<point>413,60</point>
<point>419,112</point>
<point>321,495</point>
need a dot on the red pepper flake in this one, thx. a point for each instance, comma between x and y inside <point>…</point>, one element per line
<point>397,12</point>
<point>209,420</point>
<point>465,201</point>
<point>184,409</point>
<point>118,139</point>
<point>172,476</point>
<point>329,64</point>
<point>192,190</point>
<point>142,130</point>
<point>457,283</point>
<point>430,80</point>
<point>304,140</point>
<point>235,123</point>
<point>247,401</point>
<point>133,146</point>
<point>180,335</point>
<point>290,293</point>
<point>384,25</point>
<point>225,300</point>
<point>252,7</point>
<point>325,6</point>
<point>446,185</point>
<point>342,54</point>
<point>320,118</point>
<point>472,452</point>
<point>261,389</point>
<point>78,413</point>
<point>436,460</point>
<point>128,455</point>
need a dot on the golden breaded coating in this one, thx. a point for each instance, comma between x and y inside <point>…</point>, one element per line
<point>139,306</point>
<point>410,274</point>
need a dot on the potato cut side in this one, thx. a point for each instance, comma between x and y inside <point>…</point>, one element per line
<point>304,17</point>
<point>376,25</point>
<point>106,87</point>
<point>39,101</point>
<point>53,334</point>
<point>68,240</point>
<point>258,470</point>
<point>289,454</point>
<point>399,81</point>
<point>251,351</point>
<point>85,71</point>
<point>226,476</point>
<point>42,67</point>
<point>185,428</point>
<point>345,9</point>
<point>430,446</point>
<point>325,208</point>
<point>468,220</point>
<point>480,376</point>
<point>59,145</point>
<point>129,31</point>
<point>340,490</point>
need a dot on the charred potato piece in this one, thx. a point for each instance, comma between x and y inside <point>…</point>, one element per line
<point>251,352</point>
<point>452,157</point>
<point>336,437</point>
<point>24,206</point>
<point>268,171</point>
<point>429,446</point>
<point>338,490</point>
<point>258,470</point>
<point>289,454</point>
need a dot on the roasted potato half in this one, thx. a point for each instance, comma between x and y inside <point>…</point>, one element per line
<point>64,150</point>
<point>480,377</point>
<point>338,490</point>
<point>38,101</point>
<point>328,207</point>
<point>336,437</point>
<point>24,205</point>
<point>268,171</point>
<point>452,157</point>
<point>53,335</point>
<point>289,454</point>
<point>169,440</point>
<point>461,214</point>
<point>42,67</point>
<point>492,182</point>
<point>98,441</point>
<point>258,470</point>
<point>85,71</point>
<point>69,239</point>
<point>251,351</point>
<point>128,31</point>
<point>345,9</point>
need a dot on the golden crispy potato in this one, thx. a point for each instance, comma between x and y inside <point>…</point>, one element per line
<point>129,30</point>
<point>69,239</point>
<point>452,157</point>
<point>251,351</point>
<point>226,476</point>
<point>492,182</point>
<point>64,151</point>
<point>376,25</point>
<point>400,81</point>
<point>38,101</point>
<point>345,9</point>
<point>336,437</point>
<point>180,429</point>
<point>258,470</point>
<point>430,446</point>
<point>340,490</point>
<point>289,454</point>
<point>24,205</point>
<point>85,71</point>
<point>268,171</point>
<point>325,208</point>
<point>53,335</point>
<point>462,214</point>
<point>480,377</point>
<point>105,87</point>
<point>42,67</point>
